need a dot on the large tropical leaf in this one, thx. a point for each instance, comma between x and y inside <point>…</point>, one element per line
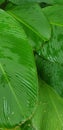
<point>53,49</point>
<point>51,73</point>
<point>54,14</point>
<point>49,114</point>
<point>31,16</point>
<point>51,67</point>
<point>18,77</point>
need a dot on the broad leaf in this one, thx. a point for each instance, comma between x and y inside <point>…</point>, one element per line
<point>31,16</point>
<point>51,67</point>
<point>18,77</point>
<point>49,114</point>
<point>53,49</point>
<point>51,73</point>
<point>54,14</point>
<point>35,41</point>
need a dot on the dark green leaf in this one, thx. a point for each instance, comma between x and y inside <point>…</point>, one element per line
<point>51,73</point>
<point>31,16</point>
<point>27,126</point>
<point>51,67</point>
<point>53,49</point>
<point>1,1</point>
<point>18,77</point>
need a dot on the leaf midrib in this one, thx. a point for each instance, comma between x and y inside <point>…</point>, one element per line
<point>27,25</point>
<point>10,86</point>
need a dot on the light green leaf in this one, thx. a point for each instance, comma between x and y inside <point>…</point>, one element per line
<point>55,14</point>
<point>18,77</point>
<point>31,16</point>
<point>49,114</point>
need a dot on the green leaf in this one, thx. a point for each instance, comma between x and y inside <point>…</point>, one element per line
<point>35,41</point>
<point>51,63</point>
<point>53,49</point>
<point>51,73</point>
<point>49,114</point>
<point>27,126</point>
<point>18,77</point>
<point>54,14</point>
<point>31,16</point>
<point>18,2</point>
<point>1,1</point>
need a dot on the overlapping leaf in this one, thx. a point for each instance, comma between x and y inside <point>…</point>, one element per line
<point>18,78</point>
<point>49,114</point>
<point>54,14</point>
<point>51,73</point>
<point>53,49</point>
<point>18,2</point>
<point>31,16</point>
<point>51,67</point>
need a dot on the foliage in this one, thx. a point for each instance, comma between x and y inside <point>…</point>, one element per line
<point>31,64</point>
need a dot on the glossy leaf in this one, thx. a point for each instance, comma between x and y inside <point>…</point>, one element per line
<point>51,73</point>
<point>30,15</point>
<point>18,77</point>
<point>49,114</point>
<point>54,14</point>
